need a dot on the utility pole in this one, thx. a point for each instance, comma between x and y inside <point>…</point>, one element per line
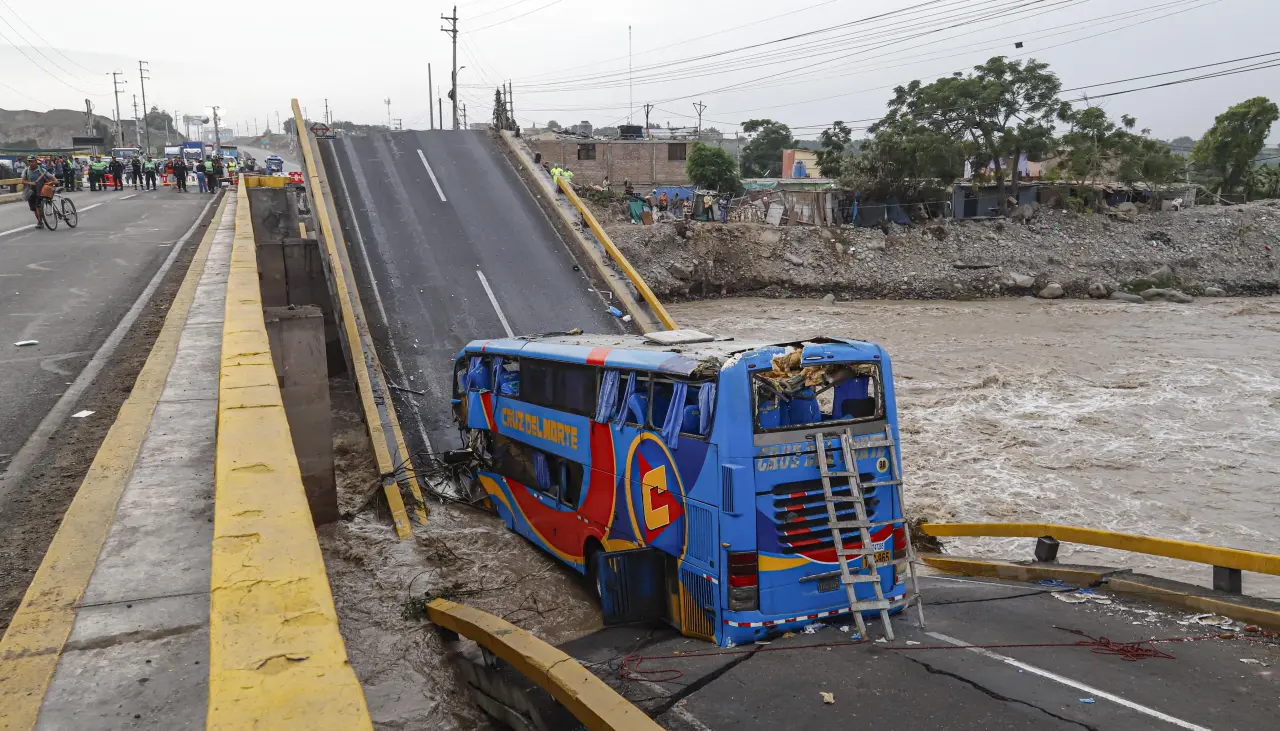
<point>698,107</point>
<point>254,132</point>
<point>217,135</point>
<point>279,128</point>
<point>88,122</point>
<point>440,106</point>
<point>511,107</point>
<point>115,83</point>
<point>137,133</point>
<point>647,108</point>
<point>430,88</point>
<point>464,116</point>
<point>453,33</point>
<point>631,94</point>
<point>387,101</point>
<point>142,81</point>
<point>326,111</point>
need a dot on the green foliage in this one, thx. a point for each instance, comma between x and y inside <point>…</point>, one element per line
<point>835,143</point>
<point>1262,182</point>
<point>1150,161</point>
<point>762,156</point>
<point>1235,139</point>
<point>553,125</point>
<point>1093,143</point>
<point>713,168</point>
<point>1000,112</point>
<point>903,158</point>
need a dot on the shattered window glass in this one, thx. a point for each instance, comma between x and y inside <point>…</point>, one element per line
<point>792,396</point>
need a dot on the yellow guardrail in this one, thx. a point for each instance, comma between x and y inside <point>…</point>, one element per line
<point>384,432</point>
<point>276,657</point>
<point>1230,558</point>
<point>587,697</point>
<point>638,281</point>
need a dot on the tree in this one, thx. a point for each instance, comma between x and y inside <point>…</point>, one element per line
<point>712,168</point>
<point>1235,139</point>
<point>1093,144</point>
<point>835,140</point>
<point>606,132</point>
<point>157,119</point>
<point>1150,161</point>
<point>1004,110</point>
<point>762,157</point>
<point>553,125</point>
<point>904,157</point>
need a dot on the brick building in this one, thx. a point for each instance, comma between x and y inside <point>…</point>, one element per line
<point>645,163</point>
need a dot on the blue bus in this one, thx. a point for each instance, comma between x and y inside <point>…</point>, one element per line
<point>680,471</point>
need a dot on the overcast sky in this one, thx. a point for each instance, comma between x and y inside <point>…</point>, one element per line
<point>568,58</point>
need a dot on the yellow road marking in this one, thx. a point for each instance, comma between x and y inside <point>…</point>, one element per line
<point>276,657</point>
<point>595,704</point>
<point>1234,558</point>
<point>33,643</point>
<point>373,421</point>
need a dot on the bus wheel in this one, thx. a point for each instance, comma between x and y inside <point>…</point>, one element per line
<point>593,573</point>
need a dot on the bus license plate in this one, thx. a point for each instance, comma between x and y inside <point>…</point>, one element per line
<point>828,583</point>
<point>883,558</point>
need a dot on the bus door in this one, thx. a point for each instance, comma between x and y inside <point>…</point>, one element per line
<point>700,587</point>
<point>631,585</point>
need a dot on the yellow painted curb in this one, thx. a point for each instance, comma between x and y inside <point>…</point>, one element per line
<point>618,257</point>
<point>34,640</point>
<point>1234,558</point>
<point>387,467</point>
<point>1012,571</point>
<point>587,697</point>
<point>276,657</point>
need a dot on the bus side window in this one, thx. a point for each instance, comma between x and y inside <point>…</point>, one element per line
<point>572,492</point>
<point>693,422</point>
<point>638,405</point>
<point>512,460</point>
<point>509,378</point>
<point>659,402</point>
<point>460,376</point>
<point>478,373</point>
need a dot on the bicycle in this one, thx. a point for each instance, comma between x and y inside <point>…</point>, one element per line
<point>58,207</point>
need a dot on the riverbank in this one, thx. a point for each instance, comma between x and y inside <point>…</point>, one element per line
<point>1197,251</point>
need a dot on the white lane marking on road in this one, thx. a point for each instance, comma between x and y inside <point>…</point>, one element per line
<point>90,208</point>
<point>432,173</point>
<point>1069,682</point>
<point>485,283</point>
<point>382,310</point>
<point>39,439</point>
<point>16,230</point>
<point>127,197</point>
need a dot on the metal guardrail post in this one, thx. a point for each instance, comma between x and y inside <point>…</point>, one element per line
<point>1227,579</point>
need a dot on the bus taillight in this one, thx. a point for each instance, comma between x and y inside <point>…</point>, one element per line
<point>744,581</point>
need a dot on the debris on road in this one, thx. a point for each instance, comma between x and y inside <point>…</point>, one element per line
<point>828,698</point>
<point>1087,700</point>
<point>24,343</point>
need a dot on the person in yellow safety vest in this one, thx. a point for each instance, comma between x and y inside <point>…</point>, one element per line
<point>567,174</point>
<point>231,167</point>
<point>97,169</point>
<point>555,171</point>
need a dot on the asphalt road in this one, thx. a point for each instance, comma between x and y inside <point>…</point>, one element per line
<point>261,155</point>
<point>69,288</point>
<point>455,244</point>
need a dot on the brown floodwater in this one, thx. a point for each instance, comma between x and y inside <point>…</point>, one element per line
<point>1156,419</point>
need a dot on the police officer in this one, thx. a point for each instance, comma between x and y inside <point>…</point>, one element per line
<point>117,173</point>
<point>95,173</point>
<point>68,174</point>
<point>180,173</point>
<point>135,172</point>
<point>149,170</point>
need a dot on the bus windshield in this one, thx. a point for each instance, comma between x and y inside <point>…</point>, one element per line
<point>791,396</point>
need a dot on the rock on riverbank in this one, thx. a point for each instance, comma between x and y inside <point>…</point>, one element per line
<point>1213,251</point>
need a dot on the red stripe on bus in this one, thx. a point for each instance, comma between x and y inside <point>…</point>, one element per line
<point>597,355</point>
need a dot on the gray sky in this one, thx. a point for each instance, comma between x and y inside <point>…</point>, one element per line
<point>568,58</point>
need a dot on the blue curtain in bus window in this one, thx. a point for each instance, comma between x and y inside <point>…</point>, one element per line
<point>706,402</point>
<point>474,368</point>
<point>608,398</point>
<point>541,472</point>
<point>627,393</point>
<point>675,414</point>
<point>497,373</point>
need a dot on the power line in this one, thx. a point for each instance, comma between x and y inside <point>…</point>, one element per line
<point>517,17</point>
<point>42,68</point>
<point>32,28</point>
<point>498,10</point>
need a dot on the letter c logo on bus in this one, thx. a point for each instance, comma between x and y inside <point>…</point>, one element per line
<point>655,493</point>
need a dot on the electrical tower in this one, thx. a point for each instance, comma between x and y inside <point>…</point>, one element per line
<point>452,30</point>
<point>143,78</point>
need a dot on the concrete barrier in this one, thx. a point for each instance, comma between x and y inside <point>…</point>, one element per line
<point>276,657</point>
<point>589,699</point>
<point>395,465</point>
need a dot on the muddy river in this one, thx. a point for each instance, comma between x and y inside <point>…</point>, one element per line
<point>1157,419</point>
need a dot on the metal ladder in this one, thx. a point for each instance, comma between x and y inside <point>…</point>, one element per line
<point>849,443</point>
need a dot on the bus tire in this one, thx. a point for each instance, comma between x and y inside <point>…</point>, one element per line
<point>589,551</point>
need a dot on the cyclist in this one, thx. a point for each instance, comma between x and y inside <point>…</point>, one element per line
<point>34,179</point>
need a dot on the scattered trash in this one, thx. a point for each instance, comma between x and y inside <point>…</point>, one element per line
<point>1070,598</point>
<point>881,641</point>
<point>844,628</point>
<point>576,268</point>
<point>855,637</point>
<point>763,642</point>
<point>828,698</point>
<point>1086,700</point>
<point>1053,582</point>
<point>1213,620</point>
<point>913,642</point>
<point>1251,628</point>
<point>81,414</point>
<point>25,343</point>
<point>626,318</point>
<point>615,311</point>
<point>730,644</point>
<point>788,635</point>
<point>1251,661</point>
<point>1101,600</point>
<point>810,629</point>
